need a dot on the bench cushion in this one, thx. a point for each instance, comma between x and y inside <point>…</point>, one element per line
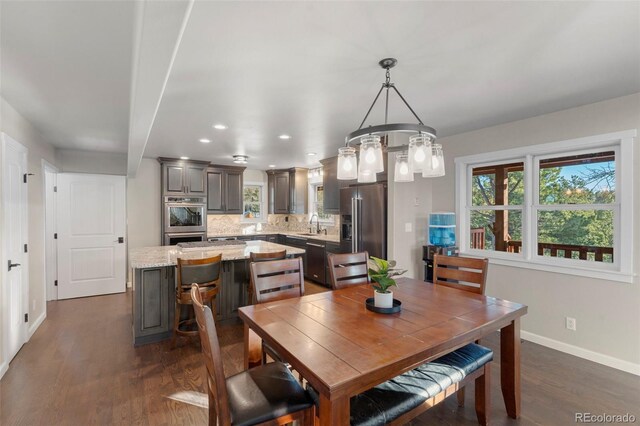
<point>389,400</point>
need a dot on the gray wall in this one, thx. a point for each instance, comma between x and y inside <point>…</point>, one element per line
<point>18,128</point>
<point>104,163</point>
<point>607,312</point>
<point>143,205</point>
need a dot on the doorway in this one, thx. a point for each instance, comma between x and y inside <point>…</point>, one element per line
<point>15,266</point>
<point>49,176</point>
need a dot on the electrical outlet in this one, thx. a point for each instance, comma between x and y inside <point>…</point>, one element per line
<point>407,227</point>
<point>570,323</point>
<point>416,201</point>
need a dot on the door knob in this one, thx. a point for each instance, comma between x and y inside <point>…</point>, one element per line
<point>12,265</point>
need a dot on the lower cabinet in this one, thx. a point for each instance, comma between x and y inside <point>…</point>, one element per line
<point>153,304</point>
<point>154,298</point>
<point>316,264</point>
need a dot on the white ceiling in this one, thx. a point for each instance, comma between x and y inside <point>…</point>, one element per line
<point>309,69</point>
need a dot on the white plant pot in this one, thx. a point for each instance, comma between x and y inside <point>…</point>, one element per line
<point>383,300</point>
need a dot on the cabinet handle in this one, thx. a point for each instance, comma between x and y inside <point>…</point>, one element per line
<point>315,245</point>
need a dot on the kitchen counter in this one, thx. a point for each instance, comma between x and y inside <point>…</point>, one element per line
<point>151,257</point>
<point>154,284</point>
<point>331,238</point>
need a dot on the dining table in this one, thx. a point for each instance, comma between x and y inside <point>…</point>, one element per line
<point>342,349</point>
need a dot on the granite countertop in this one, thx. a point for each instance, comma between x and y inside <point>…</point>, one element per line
<point>323,237</point>
<point>150,257</point>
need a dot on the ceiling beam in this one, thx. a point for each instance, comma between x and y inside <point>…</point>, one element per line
<point>158,33</point>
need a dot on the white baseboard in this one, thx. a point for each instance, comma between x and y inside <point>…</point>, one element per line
<point>37,323</point>
<point>603,359</point>
<point>3,368</point>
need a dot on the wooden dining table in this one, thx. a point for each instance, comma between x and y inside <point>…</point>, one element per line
<point>342,349</point>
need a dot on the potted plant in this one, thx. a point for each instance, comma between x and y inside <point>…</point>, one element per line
<point>381,273</point>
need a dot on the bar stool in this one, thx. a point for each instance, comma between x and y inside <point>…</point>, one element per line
<point>205,273</point>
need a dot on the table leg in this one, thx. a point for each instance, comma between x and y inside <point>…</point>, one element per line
<point>252,348</point>
<point>510,367</point>
<point>334,413</point>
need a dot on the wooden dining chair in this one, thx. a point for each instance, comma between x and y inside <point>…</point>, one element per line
<point>276,280</point>
<point>205,272</point>
<point>348,269</point>
<point>463,273</point>
<point>262,257</point>
<point>268,394</point>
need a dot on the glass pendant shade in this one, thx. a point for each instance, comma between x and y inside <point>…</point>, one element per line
<point>419,152</point>
<point>347,163</point>
<point>371,154</point>
<point>365,175</point>
<point>435,168</point>
<point>403,172</point>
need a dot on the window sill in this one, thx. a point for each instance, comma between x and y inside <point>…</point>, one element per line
<point>601,274</point>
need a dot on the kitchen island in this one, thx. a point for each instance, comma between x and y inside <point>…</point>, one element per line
<point>154,284</point>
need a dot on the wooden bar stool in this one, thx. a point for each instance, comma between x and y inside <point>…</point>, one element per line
<point>207,274</point>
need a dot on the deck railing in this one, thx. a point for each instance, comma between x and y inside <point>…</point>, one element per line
<point>567,251</point>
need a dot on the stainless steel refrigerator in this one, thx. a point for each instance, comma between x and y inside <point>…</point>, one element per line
<point>363,215</point>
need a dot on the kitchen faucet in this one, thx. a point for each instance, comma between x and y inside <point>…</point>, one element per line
<point>317,223</point>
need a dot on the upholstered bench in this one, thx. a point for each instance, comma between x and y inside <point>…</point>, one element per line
<point>406,396</point>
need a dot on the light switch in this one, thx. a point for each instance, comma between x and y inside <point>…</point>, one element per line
<point>407,227</point>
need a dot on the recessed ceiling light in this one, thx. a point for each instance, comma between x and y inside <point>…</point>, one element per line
<point>240,159</point>
<point>311,154</point>
<point>220,126</point>
<point>205,140</point>
<point>272,165</point>
<point>184,158</point>
<point>284,137</point>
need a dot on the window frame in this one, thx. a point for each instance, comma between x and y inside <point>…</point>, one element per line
<point>263,219</point>
<point>621,143</point>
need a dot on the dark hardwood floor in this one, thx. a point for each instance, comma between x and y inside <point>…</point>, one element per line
<point>80,368</point>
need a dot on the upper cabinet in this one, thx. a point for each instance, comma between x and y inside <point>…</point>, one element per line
<point>288,192</point>
<point>331,185</point>
<point>224,189</point>
<point>183,177</point>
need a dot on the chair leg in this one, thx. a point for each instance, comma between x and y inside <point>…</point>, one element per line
<point>176,324</point>
<point>483,396</point>
<point>460,396</point>
<point>309,416</point>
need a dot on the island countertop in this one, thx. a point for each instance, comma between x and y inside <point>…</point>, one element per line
<point>151,257</point>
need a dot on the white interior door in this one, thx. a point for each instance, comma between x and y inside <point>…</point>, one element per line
<point>91,230</point>
<point>15,236</point>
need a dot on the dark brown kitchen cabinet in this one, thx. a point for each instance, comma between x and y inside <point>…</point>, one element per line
<point>288,191</point>
<point>224,190</point>
<point>331,185</point>
<point>183,177</point>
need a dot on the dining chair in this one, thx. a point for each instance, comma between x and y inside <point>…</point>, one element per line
<point>348,269</point>
<point>276,280</point>
<point>463,273</point>
<point>262,257</point>
<point>205,272</point>
<point>268,394</point>
<point>254,345</point>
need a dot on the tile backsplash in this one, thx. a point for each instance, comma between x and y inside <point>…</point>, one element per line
<point>232,224</point>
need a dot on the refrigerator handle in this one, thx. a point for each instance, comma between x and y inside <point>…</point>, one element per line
<point>354,225</point>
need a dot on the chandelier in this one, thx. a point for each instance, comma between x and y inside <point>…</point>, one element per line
<point>421,155</point>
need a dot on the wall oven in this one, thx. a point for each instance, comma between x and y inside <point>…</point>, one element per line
<point>183,237</point>
<point>185,214</point>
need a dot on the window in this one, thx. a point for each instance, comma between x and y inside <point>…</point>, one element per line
<point>561,206</point>
<point>253,208</point>
<point>317,203</point>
